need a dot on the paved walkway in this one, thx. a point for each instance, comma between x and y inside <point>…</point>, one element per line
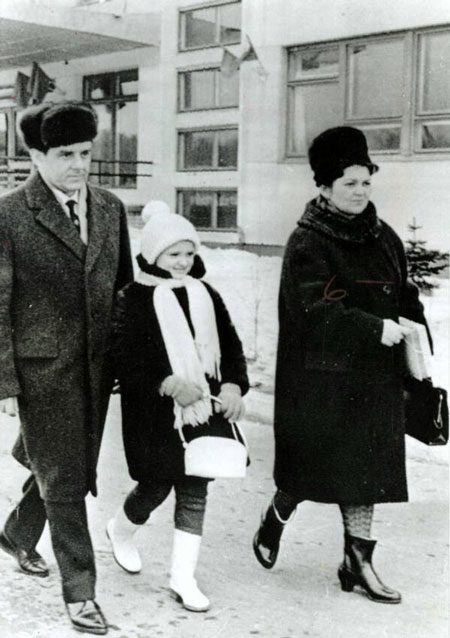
<point>299,598</point>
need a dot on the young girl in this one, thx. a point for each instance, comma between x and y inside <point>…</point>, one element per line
<point>174,347</point>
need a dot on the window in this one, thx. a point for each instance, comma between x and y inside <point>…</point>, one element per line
<point>209,209</point>
<point>211,149</point>
<point>210,26</point>
<point>367,84</point>
<point>207,89</point>
<point>114,98</point>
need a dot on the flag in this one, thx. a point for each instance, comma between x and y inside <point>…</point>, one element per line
<point>39,84</point>
<point>230,63</point>
<point>249,55</point>
<point>21,93</point>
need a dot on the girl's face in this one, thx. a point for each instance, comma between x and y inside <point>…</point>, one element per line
<point>350,193</point>
<point>177,259</point>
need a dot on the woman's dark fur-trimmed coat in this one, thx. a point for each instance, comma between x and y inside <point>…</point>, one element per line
<point>152,446</point>
<point>56,302</point>
<point>339,425</point>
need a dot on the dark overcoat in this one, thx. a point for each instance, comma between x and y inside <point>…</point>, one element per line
<point>339,430</point>
<point>56,300</point>
<point>152,446</point>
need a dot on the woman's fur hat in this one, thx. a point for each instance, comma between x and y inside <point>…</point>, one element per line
<point>336,149</point>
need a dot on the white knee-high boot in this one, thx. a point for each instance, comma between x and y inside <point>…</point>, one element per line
<point>120,531</point>
<point>186,548</point>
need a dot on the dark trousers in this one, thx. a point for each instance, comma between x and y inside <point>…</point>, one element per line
<point>69,534</point>
<point>190,502</point>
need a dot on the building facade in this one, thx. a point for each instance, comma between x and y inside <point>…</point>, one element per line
<point>228,148</point>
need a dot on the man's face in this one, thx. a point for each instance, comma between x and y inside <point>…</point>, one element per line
<point>65,167</point>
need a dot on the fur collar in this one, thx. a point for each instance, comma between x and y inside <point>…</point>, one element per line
<point>329,220</point>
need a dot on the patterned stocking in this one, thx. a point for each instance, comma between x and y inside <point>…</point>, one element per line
<point>357,519</point>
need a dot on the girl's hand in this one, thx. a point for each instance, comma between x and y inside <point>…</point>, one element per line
<point>183,392</point>
<point>231,404</point>
<point>393,333</point>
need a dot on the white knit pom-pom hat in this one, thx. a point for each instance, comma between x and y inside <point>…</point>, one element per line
<point>163,229</point>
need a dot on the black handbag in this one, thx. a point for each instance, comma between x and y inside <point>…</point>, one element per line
<point>426,412</point>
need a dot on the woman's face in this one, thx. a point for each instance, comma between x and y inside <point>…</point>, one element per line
<point>177,259</point>
<point>350,193</point>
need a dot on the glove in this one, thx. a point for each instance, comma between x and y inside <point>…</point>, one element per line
<point>393,333</point>
<point>231,404</point>
<point>183,392</point>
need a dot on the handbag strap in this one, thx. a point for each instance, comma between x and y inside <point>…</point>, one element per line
<point>180,430</point>
<point>237,431</point>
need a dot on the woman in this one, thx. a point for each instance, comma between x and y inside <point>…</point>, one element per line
<point>339,432</point>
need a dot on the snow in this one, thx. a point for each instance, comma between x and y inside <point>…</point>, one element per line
<point>249,284</point>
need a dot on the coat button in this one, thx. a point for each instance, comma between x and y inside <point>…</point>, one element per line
<point>387,289</point>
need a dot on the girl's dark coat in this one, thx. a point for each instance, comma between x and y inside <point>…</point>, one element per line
<point>152,445</point>
<point>339,428</point>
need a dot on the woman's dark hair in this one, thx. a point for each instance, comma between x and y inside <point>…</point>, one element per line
<point>336,149</point>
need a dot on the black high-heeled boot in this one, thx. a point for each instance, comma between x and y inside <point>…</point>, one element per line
<point>266,542</point>
<point>357,569</point>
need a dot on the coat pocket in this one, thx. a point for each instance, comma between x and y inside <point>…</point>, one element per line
<point>37,347</point>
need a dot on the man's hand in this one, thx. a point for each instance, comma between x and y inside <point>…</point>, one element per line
<point>183,392</point>
<point>9,406</point>
<point>393,333</point>
<point>231,404</point>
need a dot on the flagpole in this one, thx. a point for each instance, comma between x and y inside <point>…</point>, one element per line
<point>262,71</point>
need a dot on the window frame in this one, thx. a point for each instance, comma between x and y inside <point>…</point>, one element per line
<point>216,192</point>
<point>182,72</point>
<point>216,130</point>
<point>410,118</point>
<point>115,99</point>
<point>198,7</point>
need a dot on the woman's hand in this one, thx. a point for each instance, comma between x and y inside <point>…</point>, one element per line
<point>393,333</point>
<point>9,406</point>
<point>183,392</point>
<point>231,404</point>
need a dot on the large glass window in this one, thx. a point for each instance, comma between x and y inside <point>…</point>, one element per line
<point>370,83</point>
<point>209,209</point>
<point>114,98</point>
<point>211,149</point>
<point>210,26</point>
<point>433,95</point>
<point>207,89</point>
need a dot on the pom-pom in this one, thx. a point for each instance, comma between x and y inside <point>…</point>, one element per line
<point>152,207</point>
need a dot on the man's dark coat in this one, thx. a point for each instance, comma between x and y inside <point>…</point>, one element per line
<point>56,298</point>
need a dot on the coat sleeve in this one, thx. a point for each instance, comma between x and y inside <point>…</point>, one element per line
<point>9,384</point>
<point>314,310</point>
<point>233,366</point>
<point>138,354</point>
<point>125,269</point>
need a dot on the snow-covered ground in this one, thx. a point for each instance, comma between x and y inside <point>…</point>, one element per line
<point>249,283</point>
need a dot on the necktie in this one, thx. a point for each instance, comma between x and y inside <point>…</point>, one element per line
<point>73,216</point>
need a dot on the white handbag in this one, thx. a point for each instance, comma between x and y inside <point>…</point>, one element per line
<point>216,456</point>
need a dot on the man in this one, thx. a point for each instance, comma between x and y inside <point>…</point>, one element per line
<point>64,253</point>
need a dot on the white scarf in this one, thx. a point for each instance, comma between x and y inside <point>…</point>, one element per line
<point>190,358</point>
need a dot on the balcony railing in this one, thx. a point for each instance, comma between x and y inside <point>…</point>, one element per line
<point>106,173</point>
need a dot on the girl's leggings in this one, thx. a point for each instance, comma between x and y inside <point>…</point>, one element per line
<point>190,502</point>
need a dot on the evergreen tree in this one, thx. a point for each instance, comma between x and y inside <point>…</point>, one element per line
<point>423,264</point>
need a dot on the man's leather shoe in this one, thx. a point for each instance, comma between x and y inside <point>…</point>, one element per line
<point>87,617</point>
<point>30,562</point>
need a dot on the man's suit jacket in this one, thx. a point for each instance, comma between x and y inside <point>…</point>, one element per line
<point>56,299</point>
